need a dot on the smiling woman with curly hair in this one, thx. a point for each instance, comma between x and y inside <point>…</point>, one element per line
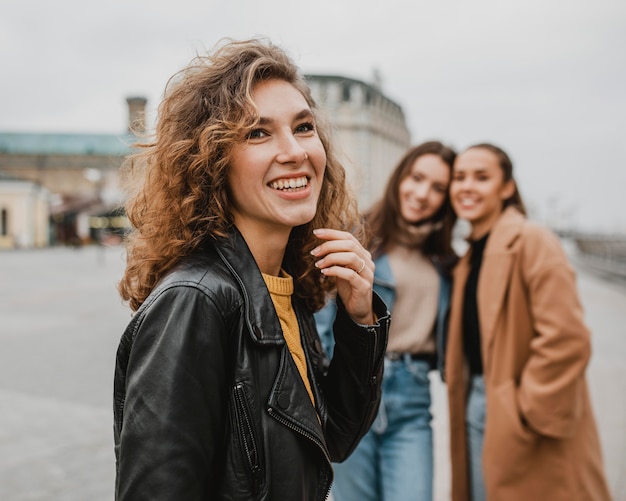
<point>242,224</point>
<point>179,194</point>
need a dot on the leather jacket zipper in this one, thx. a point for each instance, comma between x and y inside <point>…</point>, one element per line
<point>248,440</point>
<point>289,424</point>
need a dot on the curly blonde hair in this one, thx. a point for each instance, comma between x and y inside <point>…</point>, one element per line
<point>177,190</point>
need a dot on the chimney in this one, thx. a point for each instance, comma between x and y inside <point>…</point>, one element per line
<point>136,114</point>
<point>377,78</point>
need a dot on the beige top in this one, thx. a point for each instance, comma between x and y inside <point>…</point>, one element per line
<point>415,307</point>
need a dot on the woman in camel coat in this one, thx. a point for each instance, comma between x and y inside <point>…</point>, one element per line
<point>526,350</point>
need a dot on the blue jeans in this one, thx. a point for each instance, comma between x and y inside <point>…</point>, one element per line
<point>475,426</point>
<point>394,461</point>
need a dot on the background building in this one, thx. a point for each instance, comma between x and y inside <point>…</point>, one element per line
<point>79,174</point>
<point>371,133</point>
<point>24,213</point>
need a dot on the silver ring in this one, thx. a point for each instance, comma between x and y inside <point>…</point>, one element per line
<point>362,267</point>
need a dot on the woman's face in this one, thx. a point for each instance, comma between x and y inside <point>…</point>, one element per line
<point>423,190</point>
<point>478,190</point>
<point>276,173</point>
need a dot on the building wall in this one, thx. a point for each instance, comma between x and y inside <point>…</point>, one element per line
<point>80,171</point>
<point>24,214</point>
<point>371,133</point>
<point>67,175</point>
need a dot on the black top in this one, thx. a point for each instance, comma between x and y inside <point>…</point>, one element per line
<point>471,325</point>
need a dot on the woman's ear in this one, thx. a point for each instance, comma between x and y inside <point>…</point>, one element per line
<point>508,190</point>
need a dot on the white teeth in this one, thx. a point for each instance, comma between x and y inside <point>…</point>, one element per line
<point>467,201</point>
<point>289,184</point>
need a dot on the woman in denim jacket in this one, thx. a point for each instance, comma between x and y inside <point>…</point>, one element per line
<point>410,239</point>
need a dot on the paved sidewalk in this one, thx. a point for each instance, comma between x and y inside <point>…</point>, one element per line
<point>61,320</point>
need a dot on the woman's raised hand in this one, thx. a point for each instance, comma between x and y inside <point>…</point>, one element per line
<point>342,256</point>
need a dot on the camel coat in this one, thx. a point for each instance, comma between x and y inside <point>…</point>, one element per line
<point>541,441</point>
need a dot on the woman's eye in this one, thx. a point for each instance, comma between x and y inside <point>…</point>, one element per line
<point>256,134</point>
<point>305,127</point>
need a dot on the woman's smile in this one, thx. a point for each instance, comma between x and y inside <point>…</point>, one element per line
<point>290,184</point>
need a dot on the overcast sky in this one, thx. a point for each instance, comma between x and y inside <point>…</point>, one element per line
<point>544,79</point>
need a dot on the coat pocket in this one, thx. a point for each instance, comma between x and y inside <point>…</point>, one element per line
<point>509,445</point>
<point>249,444</point>
<point>519,463</point>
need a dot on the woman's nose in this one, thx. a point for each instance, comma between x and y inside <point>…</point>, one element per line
<point>290,150</point>
<point>421,191</point>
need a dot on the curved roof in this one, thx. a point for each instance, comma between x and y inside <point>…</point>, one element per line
<point>24,143</point>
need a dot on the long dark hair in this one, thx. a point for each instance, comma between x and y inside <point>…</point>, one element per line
<point>383,218</point>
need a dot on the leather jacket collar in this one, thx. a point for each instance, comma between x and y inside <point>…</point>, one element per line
<point>237,257</point>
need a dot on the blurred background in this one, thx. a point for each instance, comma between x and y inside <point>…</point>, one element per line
<point>81,81</point>
<point>542,79</point>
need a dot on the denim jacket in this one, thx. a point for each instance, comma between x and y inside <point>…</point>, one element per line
<point>385,286</point>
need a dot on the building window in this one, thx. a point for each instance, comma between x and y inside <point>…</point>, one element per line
<point>345,92</point>
<point>4,223</point>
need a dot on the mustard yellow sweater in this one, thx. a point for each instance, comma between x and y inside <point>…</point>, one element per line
<point>281,290</point>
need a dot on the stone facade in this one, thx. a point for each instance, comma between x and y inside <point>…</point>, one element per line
<point>71,176</point>
<point>371,133</point>
<point>24,214</point>
<point>79,171</point>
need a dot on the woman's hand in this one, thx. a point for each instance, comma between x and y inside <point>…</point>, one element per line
<point>343,257</point>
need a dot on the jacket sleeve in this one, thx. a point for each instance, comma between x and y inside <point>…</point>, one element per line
<point>552,383</point>
<point>174,413</point>
<point>352,385</point>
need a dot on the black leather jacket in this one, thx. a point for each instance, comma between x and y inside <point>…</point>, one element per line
<point>208,403</point>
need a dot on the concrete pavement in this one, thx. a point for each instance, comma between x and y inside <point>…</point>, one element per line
<point>60,322</point>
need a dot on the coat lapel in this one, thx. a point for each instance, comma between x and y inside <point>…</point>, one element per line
<point>492,286</point>
<point>495,274</point>
<point>454,345</point>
